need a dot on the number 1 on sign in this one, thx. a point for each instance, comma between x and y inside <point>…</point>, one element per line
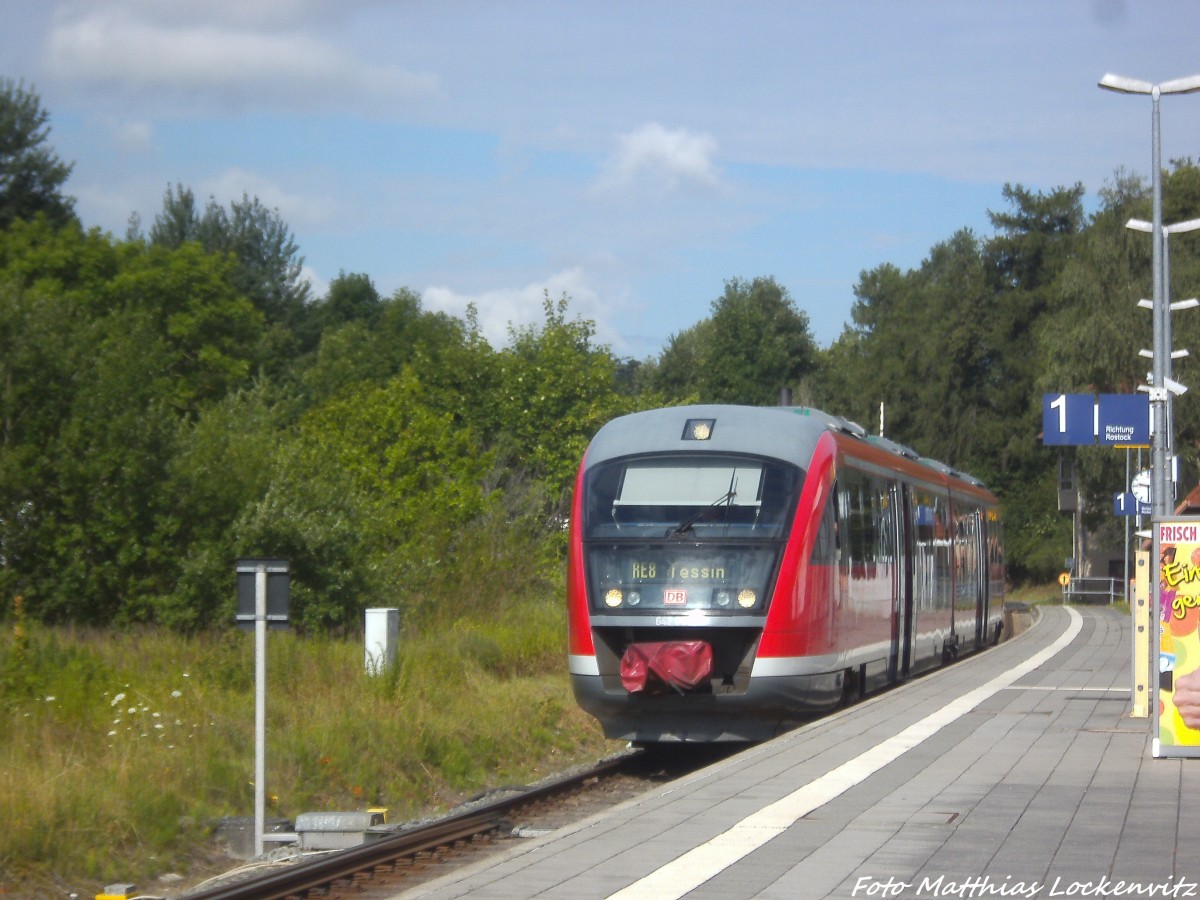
<point>1069,419</point>
<point>1061,405</point>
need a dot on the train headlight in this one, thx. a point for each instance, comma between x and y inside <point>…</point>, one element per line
<point>723,598</point>
<point>634,598</point>
<point>747,598</point>
<point>613,597</point>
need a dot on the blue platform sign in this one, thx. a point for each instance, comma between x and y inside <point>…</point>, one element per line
<point>1128,505</point>
<point>1068,420</point>
<point>1124,420</point>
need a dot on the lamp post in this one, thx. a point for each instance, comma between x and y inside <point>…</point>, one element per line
<point>1158,394</point>
<point>1160,503</point>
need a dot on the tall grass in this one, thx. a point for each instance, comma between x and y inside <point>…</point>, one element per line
<point>119,750</point>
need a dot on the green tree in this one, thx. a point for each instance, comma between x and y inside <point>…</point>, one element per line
<point>952,351</point>
<point>677,373</point>
<point>366,500</point>
<point>365,339</point>
<point>46,343</point>
<point>59,260</point>
<point>224,461</point>
<point>211,329</point>
<point>547,393</point>
<point>114,346</point>
<point>878,354</point>
<point>351,298</point>
<point>269,264</point>
<point>755,344</point>
<point>49,306</point>
<point>31,175</point>
<point>1033,236</point>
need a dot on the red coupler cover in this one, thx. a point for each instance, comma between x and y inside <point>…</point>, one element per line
<point>680,664</point>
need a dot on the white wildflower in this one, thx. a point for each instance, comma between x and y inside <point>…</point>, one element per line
<point>112,734</point>
<point>117,699</point>
<point>50,699</point>
<point>176,693</point>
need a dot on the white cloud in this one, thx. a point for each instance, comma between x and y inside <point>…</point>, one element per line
<point>109,47</point>
<point>500,307</point>
<point>241,12</point>
<point>133,137</point>
<point>296,209</point>
<point>665,155</point>
<point>109,206</point>
<point>317,285</point>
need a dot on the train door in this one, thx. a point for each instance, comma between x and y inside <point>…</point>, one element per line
<point>994,544</point>
<point>981,581</point>
<point>970,577</point>
<point>902,642</point>
<point>932,577</point>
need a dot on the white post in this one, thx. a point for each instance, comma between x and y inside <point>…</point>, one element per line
<point>381,633</point>
<point>260,706</point>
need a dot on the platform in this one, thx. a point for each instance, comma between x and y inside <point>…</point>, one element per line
<point>1015,773</point>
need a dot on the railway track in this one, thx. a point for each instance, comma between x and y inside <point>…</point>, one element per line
<point>395,862</point>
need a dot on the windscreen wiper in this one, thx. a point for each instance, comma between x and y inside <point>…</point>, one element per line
<point>686,525</point>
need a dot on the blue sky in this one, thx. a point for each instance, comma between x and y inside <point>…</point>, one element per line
<point>635,155</point>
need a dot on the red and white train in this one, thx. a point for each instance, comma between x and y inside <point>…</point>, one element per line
<point>734,569</point>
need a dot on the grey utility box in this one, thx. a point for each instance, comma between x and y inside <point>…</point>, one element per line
<point>335,831</point>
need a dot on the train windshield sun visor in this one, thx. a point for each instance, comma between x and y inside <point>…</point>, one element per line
<point>655,483</point>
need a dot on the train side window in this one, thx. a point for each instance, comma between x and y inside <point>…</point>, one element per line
<point>826,544</point>
<point>862,515</point>
<point>868,517</point>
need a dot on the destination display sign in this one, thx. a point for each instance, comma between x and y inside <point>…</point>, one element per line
<point>1082,420</point>
<point>1123,420</point>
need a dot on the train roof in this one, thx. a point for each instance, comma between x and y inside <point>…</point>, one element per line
<point>782,432</point>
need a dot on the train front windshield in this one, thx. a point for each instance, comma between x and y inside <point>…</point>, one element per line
<point>685,533</point>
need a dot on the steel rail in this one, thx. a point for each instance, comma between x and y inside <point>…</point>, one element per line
<point>343,865</point>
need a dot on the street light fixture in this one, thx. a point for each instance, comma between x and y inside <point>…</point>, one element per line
<point>1191,303</point>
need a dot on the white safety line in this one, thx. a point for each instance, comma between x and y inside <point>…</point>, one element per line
<point>701,863</point>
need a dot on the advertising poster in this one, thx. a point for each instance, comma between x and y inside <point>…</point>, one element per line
<point>1178,687</point>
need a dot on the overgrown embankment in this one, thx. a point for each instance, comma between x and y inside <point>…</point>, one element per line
<point>119,750</point>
